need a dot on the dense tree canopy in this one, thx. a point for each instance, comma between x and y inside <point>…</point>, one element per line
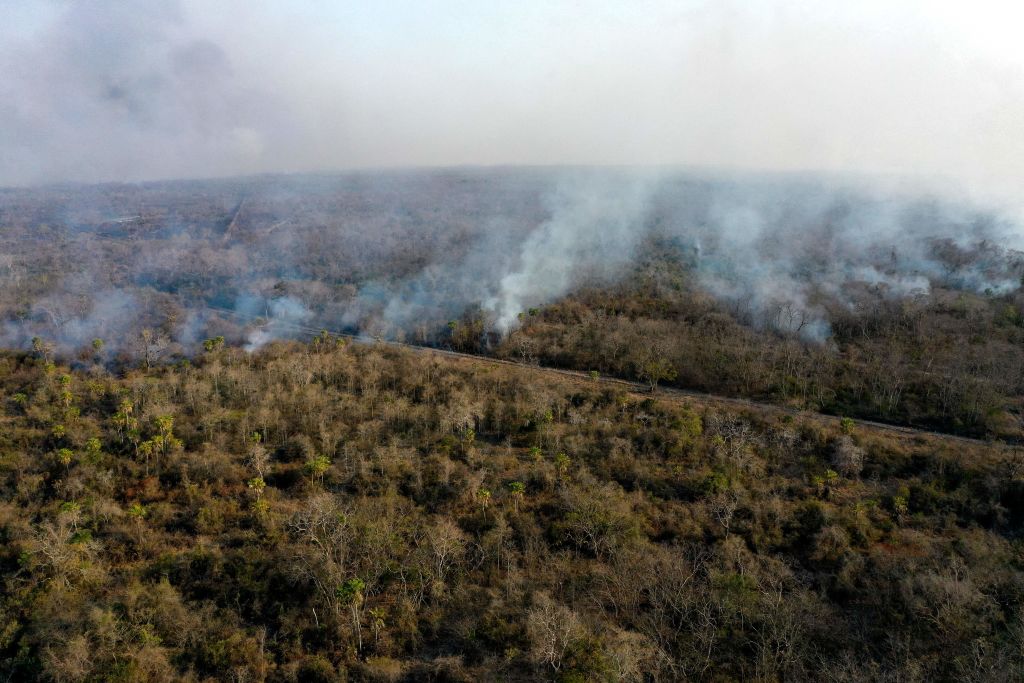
<point>332,511</point>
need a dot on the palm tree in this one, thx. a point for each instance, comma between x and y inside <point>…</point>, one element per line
<point>351,593</point>
<point>518,490</point>
<point>317,466</point>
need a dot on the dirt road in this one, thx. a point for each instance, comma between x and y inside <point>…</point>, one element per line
<point>637,388</point>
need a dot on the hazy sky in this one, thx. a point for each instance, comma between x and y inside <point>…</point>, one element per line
<point>129,90</point>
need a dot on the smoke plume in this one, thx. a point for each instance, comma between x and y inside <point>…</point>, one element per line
<point>400,254</point>
<point>566,143</point>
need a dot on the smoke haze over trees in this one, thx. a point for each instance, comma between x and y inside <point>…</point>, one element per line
<point>783,287</point>
<point>143,90</point>
<point>399,254</point>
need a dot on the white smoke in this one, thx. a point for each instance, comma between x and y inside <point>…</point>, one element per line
<point>594,228</point>
<point>285,317</point>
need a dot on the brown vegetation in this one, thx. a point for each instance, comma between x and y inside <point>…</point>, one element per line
<point>329,511</point>
<point>951,361</point>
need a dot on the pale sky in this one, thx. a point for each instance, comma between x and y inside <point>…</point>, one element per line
<point>130,90</point>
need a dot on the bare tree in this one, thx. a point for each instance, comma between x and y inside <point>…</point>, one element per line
<point>553,628</point>
<point>847,457</point>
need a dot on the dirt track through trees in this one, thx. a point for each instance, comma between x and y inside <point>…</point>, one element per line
<point>636,388</point>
